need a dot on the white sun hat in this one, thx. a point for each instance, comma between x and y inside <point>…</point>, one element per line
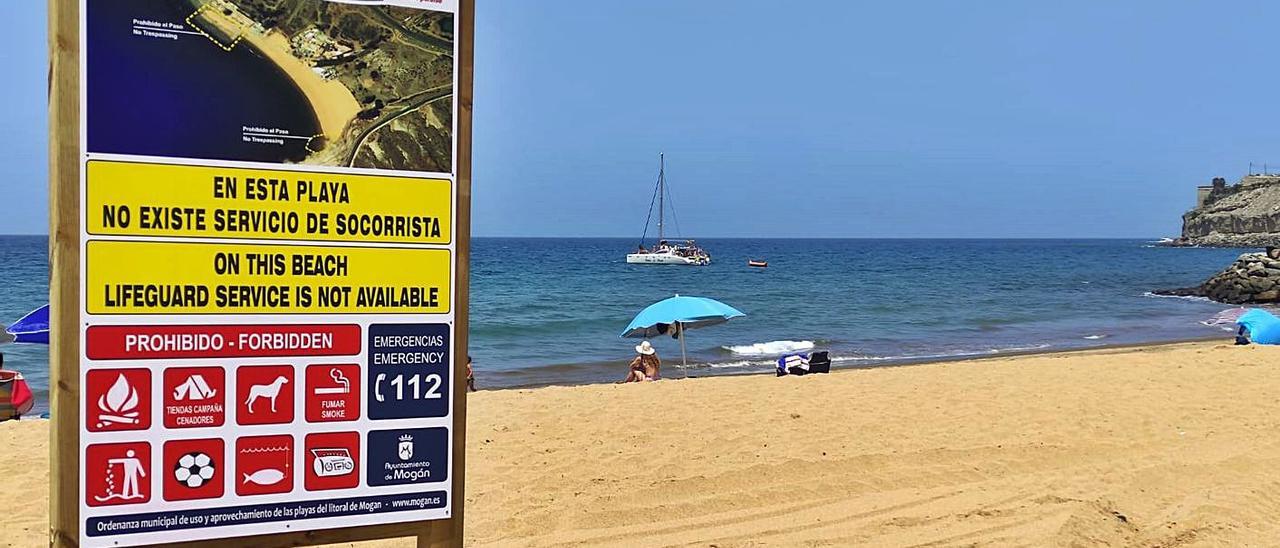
<point>645,348</point>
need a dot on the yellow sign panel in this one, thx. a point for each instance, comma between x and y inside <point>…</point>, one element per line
<point>194,278</point>
<point>138,199</point>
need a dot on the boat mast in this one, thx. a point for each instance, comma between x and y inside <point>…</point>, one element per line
<point>662,191</point>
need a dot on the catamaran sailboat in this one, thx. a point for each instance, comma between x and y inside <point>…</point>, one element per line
<point>684,252</point>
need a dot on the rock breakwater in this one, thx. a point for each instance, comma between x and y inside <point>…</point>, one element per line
<point>1254,278</point>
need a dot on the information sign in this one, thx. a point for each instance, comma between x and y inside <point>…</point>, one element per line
<point>269,258</point>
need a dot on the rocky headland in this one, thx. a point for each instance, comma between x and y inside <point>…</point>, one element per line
<point>1253,279</point>
<point>1246,214</point>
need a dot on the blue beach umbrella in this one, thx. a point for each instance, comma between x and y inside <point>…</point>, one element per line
<point>32,328</point>
<point>683,313</point>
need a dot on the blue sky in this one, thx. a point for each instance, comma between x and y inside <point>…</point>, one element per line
<point>846,119</point>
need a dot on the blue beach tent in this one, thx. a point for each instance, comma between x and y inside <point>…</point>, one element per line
<point>1263,327</point>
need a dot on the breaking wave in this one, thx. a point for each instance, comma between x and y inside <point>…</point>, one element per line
<point>733,365</point>
<point>771,348</point>
<point>1183,297</point>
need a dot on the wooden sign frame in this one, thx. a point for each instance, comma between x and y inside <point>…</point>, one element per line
<point>65,162</point>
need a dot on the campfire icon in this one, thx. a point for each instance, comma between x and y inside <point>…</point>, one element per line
<point>119,405</point>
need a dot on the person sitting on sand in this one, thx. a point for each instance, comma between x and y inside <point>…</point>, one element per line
<point>645,366</point>
<point>1242,336</point>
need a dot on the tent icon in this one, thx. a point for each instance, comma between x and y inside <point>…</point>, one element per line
<point>193,389</point>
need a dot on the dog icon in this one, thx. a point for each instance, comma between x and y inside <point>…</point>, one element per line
<point>269,391</point>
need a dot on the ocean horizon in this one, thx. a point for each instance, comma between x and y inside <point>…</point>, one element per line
<point>548,310</point>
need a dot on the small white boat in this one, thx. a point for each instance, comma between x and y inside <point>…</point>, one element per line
<point>686,252</point>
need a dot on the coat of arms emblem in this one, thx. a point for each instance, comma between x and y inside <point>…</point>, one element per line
<point>406,447</point>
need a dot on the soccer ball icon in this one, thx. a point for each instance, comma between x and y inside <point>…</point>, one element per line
<point>193,469</point>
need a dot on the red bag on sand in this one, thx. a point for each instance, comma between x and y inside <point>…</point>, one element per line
<point>21,400</point>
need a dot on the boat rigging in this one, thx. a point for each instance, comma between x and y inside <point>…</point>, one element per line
<point>686,252</point>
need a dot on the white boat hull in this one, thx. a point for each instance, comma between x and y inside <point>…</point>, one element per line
<point>662,258</point>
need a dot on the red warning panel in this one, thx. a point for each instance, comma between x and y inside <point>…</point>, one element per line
<point>193,469</point>
<point>264,394</point>
<point>332,393</point>
<point>117,473</point>
<point>333,459</point>
<point>264,465</point>
<point>149,342</point>
<point>118,399</point>
<point>194,397</point>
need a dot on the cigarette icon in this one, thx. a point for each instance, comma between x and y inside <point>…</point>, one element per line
<point>343,385</point>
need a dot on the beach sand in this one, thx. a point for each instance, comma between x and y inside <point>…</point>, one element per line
<point>332,102</point>
<point>1152,446</point>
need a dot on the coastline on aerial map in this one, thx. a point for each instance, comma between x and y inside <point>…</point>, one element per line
<point>290,81</point>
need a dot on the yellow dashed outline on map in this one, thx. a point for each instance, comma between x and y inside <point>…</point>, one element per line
<point>191,23</point>
<point>308,145</point>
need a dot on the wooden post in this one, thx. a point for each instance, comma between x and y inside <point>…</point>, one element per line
<point>449,533</point>
<point>64,270</point>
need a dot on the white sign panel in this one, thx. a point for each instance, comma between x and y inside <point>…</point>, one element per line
<point>268,266</point>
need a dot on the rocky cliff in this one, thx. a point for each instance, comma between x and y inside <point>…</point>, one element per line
<point>1253,278</point>
<point>1246,214</point>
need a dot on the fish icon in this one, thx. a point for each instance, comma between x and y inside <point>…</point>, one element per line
<point>266,476</point>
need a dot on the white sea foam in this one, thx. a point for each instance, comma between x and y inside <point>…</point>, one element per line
<point>955,354</point>
<point>1095,337</point>
<point>1183,297</point>
<point>771,348</point>
<point>902,358</point>
<point>735,365</point>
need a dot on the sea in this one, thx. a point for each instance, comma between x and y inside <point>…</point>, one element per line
<point>551,311</point>
<point>145,95</point>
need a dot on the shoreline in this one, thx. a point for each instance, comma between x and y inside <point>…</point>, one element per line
<point>1136,445</point>
<point>669,369</point>
<point>332,104</point>
<point>671,372</point>
<point>1101,350</point>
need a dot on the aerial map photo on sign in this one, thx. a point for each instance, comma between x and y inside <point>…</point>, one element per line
<point>290,81</point>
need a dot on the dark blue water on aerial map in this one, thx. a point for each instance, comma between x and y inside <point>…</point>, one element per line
<point>174,92</point>
<point>550,311</point>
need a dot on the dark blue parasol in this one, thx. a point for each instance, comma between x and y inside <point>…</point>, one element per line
<point>32,328</point>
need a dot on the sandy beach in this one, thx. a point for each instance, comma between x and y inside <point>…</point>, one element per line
<point>331,101</point>
<point>1170,445</point>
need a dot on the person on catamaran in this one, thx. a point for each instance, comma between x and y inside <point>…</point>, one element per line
<point>645,366</point>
